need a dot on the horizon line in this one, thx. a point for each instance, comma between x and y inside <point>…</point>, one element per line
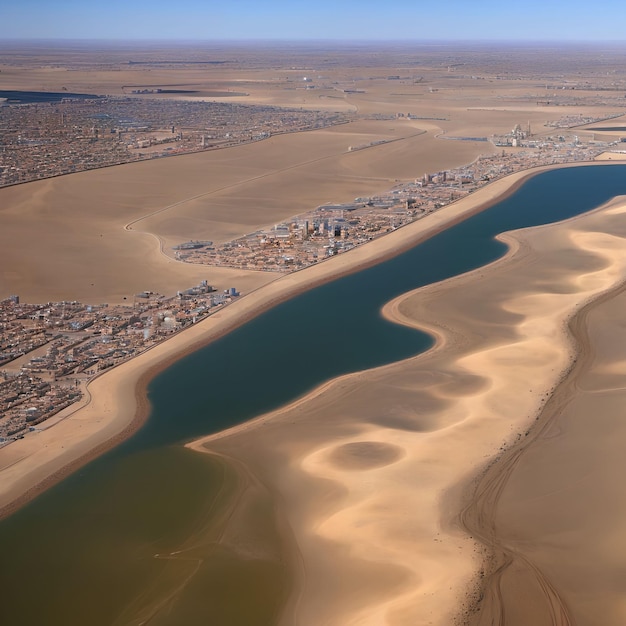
<point>335,40</point>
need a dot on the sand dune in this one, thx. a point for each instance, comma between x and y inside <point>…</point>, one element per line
<point>560,516</point>
<point>31,464</point>
<point>371,469</point>
<point>368,468</point>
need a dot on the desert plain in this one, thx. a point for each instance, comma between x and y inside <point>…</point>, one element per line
<point>488,495</point>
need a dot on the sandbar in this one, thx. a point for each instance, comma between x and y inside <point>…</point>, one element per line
<point>373,468</point>
<point>552,509</point>
<point>371,487</point>
<point>117,404</point>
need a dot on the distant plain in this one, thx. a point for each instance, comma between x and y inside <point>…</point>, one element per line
<point>428,425</point>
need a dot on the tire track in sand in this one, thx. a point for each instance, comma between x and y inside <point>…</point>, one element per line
<point>479,517</point>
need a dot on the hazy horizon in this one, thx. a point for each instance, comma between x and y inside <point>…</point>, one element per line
<point>314,42</point>
<point>348,20</point>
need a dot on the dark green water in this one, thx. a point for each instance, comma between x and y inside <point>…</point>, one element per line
<point>83,552</point>
<point>609,128</point>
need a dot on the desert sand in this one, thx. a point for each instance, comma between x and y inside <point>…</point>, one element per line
<point>104,235</point>
<point>371,470</point>
<point>113,411</point>
<point>368,467</point>
<point>560,517</point>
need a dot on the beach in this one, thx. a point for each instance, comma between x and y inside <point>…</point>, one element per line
<point>474,484</point>
<point>559,519</point>
<point>371,469</point>
<point>117,403</point>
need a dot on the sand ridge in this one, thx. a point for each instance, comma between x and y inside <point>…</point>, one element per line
<point>341,458</point>
<point>371,487</point>
<point>551,510</point>
<point>503,349</point>
<point>43,458</point>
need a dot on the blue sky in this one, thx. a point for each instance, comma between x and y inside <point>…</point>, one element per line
<point>558,20</point>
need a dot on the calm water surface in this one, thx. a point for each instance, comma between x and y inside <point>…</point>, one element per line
<point>28,97</point>
<point>97,548</point>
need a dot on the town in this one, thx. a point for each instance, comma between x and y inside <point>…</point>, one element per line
<point>332,229</point>
<point>49,352</point>
<point>44,139</point>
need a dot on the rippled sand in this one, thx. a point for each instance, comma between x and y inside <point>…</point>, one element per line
<point>373,469</point>
<point>115,404</point>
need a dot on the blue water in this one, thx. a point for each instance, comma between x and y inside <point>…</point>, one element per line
<point>31,97</point>
<point>98,529</point>
<point>338,328</point>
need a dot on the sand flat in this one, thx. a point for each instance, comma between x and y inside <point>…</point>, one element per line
<point>124,413</point>
<point>371,487</point>
<point>368,483</point>
<point>104,235</point>
<point>368,467</point>
<point>562,509</point>
<point>65,238</point>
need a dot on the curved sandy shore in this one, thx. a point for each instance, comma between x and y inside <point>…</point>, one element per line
<point>371,468</point>
<point>551,510</point>
<point>117,405</point>
<point>363,479</point>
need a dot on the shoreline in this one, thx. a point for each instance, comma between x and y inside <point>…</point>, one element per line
<point>407,467</point>
<point>38,475</point>
<point>513,562</point>
<point>478,514</point>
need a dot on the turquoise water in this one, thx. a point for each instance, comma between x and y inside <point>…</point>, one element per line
<point>83,552</point>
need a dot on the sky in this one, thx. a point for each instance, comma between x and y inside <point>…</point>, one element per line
<point>360,20</point>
